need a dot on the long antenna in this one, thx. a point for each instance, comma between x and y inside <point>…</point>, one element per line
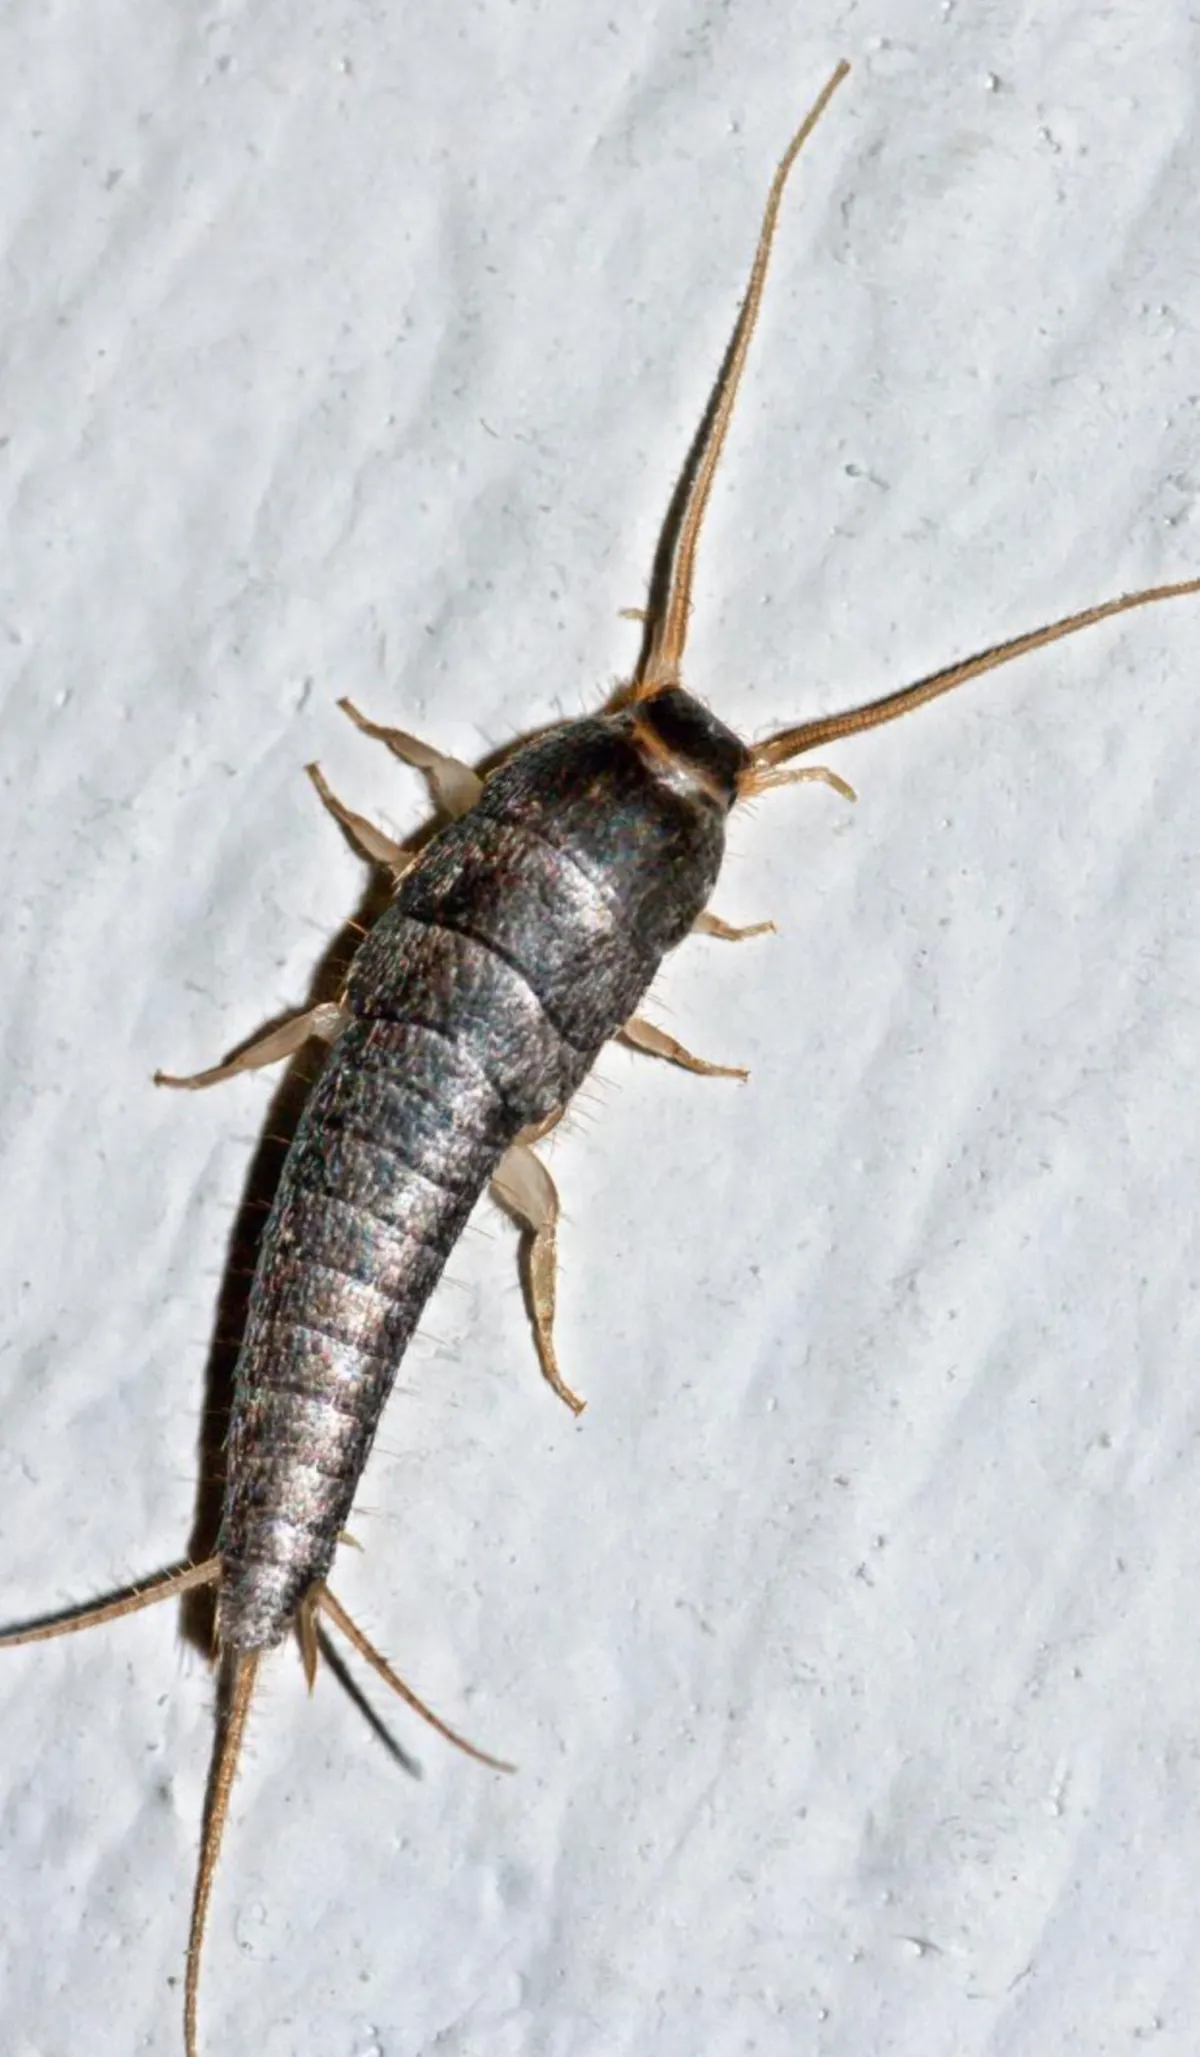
<point>827,728</point>
<point>668,635</point>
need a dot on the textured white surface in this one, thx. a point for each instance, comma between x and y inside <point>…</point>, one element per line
<point>847,1646</point>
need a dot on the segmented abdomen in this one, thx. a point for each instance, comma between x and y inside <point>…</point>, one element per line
<point>523,937</point>
<point>399,1137</point>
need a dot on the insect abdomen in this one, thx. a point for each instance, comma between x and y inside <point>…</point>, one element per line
<point>396,1142</point>
<point>522,939</point>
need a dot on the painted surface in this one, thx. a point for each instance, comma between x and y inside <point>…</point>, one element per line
<point>846,1645</point>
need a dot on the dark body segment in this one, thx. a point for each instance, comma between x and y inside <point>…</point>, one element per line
<point>521,940</point>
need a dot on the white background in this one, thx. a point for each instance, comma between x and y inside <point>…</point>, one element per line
<point>848,1644</point>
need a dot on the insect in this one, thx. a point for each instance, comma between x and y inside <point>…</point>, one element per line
<point>520,940</point>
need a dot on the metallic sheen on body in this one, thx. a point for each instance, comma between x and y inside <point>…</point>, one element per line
<point>522,939</point>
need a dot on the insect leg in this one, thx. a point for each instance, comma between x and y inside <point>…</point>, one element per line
<point>707,924</point>
<point>323,1600</point>
<point>324,1022</point>
<point>454,786</point>
<point>642,1035</point>
<point>370,840</point>
<point>758,781</point>
<point>131,1601</point>
<point>524,1187</point>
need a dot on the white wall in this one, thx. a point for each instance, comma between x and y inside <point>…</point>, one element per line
<point>847,1645</point>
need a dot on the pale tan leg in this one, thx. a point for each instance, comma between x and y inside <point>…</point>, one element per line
<point>642,1035</point>
<point>455,786</point>
<point>756,781</point>
<point>370,840</point>
<point>538,1129</point>
<point>525,1188</point>
<point>708,924</point>
<point>323,1022</point>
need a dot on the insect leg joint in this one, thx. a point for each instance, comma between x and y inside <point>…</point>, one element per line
<point>324,1022</point>
<point>642,1035</point>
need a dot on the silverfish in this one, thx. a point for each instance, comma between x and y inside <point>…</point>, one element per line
<point>518,942</point>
